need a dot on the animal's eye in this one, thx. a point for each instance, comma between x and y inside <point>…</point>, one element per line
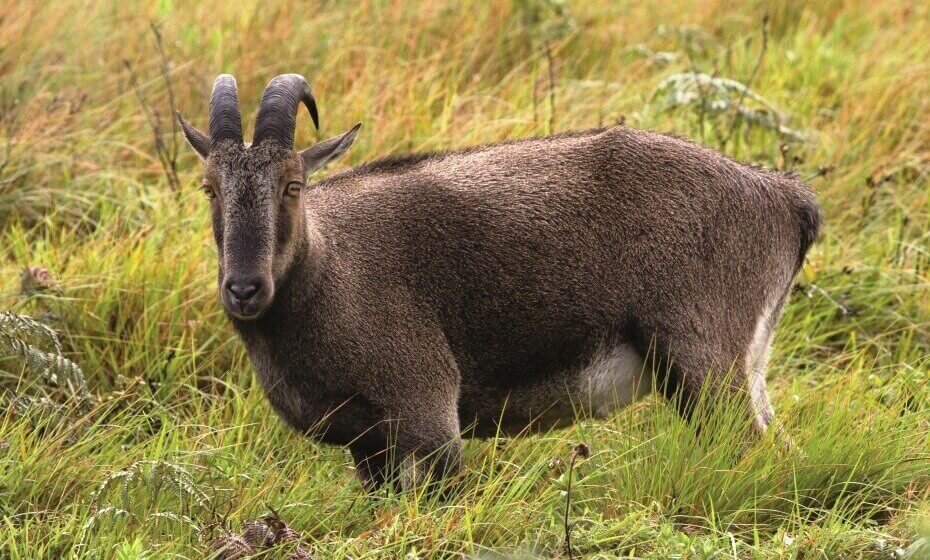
<point>208,190</point>
<point>293,189</point>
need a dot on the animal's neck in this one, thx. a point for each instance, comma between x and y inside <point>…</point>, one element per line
<point>311,256</point>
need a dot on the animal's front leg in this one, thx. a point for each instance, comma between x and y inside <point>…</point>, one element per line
<point>421,427</point>
<point>410,461</point>
<point>371,465</point>
<point>414,387</point>
<point>426,452</point>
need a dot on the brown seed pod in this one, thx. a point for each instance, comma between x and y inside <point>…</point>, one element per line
<point>582,451</point>
<point>34,279</point>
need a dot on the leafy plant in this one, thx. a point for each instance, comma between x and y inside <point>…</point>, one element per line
<point>723,97</point>
<point>45,369</point>
<point>153,476</point>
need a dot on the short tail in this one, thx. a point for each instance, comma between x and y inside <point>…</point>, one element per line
<point>809,219</point>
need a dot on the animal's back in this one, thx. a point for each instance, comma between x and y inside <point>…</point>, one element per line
<point>536,257</point>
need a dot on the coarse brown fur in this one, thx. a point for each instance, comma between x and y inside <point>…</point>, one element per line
<point>413,298</point>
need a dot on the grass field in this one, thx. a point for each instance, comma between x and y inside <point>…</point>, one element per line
<point>175,443</point>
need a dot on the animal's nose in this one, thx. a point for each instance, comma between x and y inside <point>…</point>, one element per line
<point>243,290</point>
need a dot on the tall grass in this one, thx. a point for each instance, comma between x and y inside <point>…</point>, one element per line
<point>179,444</point>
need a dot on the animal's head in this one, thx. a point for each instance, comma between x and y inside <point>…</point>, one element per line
<point>256,190</point>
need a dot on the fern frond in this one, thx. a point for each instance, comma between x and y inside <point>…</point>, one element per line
<point>37,348</point>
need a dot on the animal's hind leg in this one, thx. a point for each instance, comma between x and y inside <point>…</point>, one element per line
<point>755,365</point>
<point>757,357</point>
<point>723,362</point>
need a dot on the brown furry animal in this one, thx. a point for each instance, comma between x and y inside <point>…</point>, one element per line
<point>391,307</point>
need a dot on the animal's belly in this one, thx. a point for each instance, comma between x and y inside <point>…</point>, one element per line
<point>611,377</point>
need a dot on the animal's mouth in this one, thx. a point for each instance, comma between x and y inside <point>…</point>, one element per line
<point>244,312</point>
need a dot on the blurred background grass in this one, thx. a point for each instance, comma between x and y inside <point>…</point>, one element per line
<point>837,91</point>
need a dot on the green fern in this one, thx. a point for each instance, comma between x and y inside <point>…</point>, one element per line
<point>117,495</point>
<point>37,349</point>
<point>153,475</point>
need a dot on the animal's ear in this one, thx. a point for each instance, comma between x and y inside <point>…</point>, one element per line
<point>198,140</point>
<point>317,156</point>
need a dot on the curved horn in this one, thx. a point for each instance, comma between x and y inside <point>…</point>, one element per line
<point>277,115</point>
<point>225,120</point>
